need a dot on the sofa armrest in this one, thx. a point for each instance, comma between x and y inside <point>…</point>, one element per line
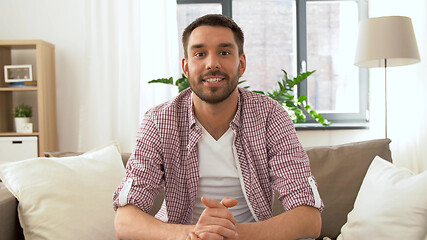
<point>9,223</point>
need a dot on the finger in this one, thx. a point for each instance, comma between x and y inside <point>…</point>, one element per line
<point>211,236</point>
<point>208,220</point>
<point>193,236</point>
<point>217,210</point>
<point>229,202</point>
<point>212,203</point>
<point>217,234</point>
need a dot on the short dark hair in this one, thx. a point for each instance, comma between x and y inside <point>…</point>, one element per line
<point>214,20</point>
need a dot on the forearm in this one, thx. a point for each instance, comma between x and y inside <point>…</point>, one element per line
<point>132,223</point>
<point>301,222</point>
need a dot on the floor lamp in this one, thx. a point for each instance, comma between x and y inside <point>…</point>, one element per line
<point>386,42</point>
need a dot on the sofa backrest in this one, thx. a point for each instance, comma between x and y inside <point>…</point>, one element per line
<point>339,171</point>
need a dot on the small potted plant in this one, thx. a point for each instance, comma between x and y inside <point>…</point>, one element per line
<point>22,114</point>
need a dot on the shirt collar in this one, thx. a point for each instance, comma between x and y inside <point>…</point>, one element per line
<point>236,119</point>
<point>192,117</point>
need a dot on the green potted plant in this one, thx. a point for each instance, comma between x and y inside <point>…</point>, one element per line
<point>297,108</point>
<point>22,114</point>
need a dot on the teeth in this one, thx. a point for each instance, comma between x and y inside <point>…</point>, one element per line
<point>213,79</point>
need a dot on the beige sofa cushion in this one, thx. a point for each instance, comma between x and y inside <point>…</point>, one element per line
<point>339,171</point>
<point>66,198</point>
<point>391,204</point>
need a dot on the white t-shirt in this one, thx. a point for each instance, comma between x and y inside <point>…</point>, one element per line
<point>219,176</point>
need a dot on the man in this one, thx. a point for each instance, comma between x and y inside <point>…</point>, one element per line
<point>218,151</point>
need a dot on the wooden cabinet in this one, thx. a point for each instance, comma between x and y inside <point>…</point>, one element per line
<point>42,97</point>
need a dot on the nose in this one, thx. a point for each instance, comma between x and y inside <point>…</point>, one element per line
<point>212,62</point>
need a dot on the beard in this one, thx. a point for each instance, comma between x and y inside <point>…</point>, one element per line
<point>214,95</point>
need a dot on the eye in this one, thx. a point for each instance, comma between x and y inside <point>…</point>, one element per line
<point>224,53</point>
<point>199,54</point>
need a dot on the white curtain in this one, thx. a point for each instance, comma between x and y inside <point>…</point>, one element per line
<point>118,62</point>
<point>160,44</point>
<point>407,85</point>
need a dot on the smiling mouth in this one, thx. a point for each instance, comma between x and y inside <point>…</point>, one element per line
<point>213,80</point>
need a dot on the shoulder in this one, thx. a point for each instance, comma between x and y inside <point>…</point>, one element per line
<point>166,119</point>
<point>258,108</point>
<point>176,106</point>
<point>254,101</point>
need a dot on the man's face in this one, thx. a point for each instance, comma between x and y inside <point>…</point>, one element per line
<point>213,65</point>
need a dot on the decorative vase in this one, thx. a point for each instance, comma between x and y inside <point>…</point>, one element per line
<point>19,123</point>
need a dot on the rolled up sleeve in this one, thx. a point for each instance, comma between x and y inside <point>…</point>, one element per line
<point>289,165</point>
<point>144,171</point>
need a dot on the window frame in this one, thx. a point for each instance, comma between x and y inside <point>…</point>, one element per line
<point>357,120</point>
<point>225,4</point>
<point>344,120</point>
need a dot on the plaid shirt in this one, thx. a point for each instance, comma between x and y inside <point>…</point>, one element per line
<point>269,153</point>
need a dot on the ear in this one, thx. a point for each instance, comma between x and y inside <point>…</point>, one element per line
<point>242,67</point>
<point>184,66</point>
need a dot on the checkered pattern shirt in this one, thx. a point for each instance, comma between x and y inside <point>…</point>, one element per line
<point>165,157</point>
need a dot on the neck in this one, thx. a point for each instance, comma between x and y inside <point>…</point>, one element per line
<point>216,118</point>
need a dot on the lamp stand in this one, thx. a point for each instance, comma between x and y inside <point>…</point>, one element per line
<point>385,96</point>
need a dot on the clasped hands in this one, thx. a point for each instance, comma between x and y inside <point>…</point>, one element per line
<point>216,221</point>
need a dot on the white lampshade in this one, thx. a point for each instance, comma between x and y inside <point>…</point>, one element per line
<point>390,38</point>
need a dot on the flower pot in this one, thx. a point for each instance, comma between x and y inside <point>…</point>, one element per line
<point>19,123</point>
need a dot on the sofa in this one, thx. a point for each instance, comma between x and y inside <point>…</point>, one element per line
<point>339,171</point>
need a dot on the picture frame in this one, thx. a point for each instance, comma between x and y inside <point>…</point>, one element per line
<point>18,73</point>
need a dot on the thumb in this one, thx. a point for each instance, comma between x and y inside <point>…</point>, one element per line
<point>229,202</point>
<point>211,203</point>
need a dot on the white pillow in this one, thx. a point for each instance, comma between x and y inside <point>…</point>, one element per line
<point>391,204</point>
<point>66,198</point>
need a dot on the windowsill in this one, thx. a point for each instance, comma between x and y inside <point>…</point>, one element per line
<point>333,126</point>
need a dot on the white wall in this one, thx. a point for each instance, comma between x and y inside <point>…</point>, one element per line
<point>407,88</point>
<point>63,24</point>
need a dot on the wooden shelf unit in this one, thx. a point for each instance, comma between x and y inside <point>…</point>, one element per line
<point>15,134</point>
<point>45,91</point>
<point>17,89</point>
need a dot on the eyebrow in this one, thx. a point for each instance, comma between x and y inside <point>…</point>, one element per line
<point>229,45</point>
<point>197,46</point>
<point>201,45</point>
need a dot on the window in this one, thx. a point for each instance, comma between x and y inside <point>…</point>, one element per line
<point>296,36</point>
<point>338,89</point>
<point>270,42</point>
<point>188,11</point>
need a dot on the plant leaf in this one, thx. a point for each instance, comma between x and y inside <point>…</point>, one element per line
<point>302,98</point>
<point>163,80</point>
<point>301,77</point>
<point>182,83</point>
<point>260,92</point>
